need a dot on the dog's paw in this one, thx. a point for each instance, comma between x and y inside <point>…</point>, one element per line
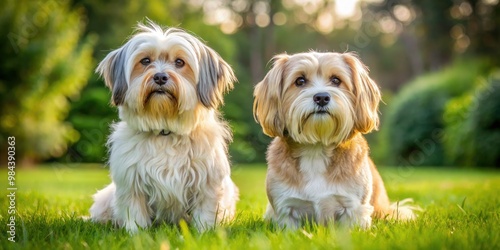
<point>365,223</point>
<point>363,216</point>
<point>131,227</point>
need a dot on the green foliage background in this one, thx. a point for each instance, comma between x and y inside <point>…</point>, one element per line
<point>433,60</point>
<point>45,64</point>
<point>417,126</point>
<point>471,123</point>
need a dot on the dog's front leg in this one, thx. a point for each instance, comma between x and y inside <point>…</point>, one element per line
<point>287,218</point>
<point>354,213</point>
<point>130,210</point>
<point>364,216</point>
<point>291,212</point>
<point>205,214</point>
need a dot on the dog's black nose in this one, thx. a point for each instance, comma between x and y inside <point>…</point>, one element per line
<point>160,78</point>
<point>321,99</point>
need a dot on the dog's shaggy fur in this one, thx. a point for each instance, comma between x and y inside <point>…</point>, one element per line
<point>317,106</point>
<point>168,154</point>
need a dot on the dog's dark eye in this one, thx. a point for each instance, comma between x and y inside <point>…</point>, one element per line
<point>179,63</point>
<point>300,81</point>
<point>145,61</point>
<point>335,81</point>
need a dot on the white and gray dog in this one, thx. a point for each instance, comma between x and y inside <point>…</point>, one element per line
<point>168,154</point>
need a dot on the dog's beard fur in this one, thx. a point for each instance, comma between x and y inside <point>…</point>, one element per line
<point>168,100</point>
<point>309,124</point>
<point>168,154</point>
<point>173,106</point>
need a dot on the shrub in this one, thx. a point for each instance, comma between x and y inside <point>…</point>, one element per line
<point>414,126</point>
<point>473,125</point>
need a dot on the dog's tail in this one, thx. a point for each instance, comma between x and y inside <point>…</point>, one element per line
<point>402,210</point>
<point>101,209</point>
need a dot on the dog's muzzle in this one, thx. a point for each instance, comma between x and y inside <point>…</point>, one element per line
<point>160,78</point>
<point>322,99</point>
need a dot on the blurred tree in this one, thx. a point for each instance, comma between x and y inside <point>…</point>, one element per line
<point>434,33</point>
<point>46,64</point>
<point>476,30</point>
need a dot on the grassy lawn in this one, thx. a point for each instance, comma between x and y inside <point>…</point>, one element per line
<point>462,211</point>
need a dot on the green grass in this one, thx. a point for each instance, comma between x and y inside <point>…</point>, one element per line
<point>461,212</point>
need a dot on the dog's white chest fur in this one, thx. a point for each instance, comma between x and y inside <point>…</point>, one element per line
<point>168,174</point>
<point>162,173</point>
<point>165,178</point>
<point>319,197</point>
<point>312,166</point>
<point>317,190</point>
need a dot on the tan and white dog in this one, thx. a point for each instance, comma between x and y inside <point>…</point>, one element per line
<point>168,154</point>
<point>317,106</point>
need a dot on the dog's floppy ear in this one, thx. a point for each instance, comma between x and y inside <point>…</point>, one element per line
<point>112,69</point>
<point>267,102</point>
<point>216,78</point>
<point>367,95</point>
